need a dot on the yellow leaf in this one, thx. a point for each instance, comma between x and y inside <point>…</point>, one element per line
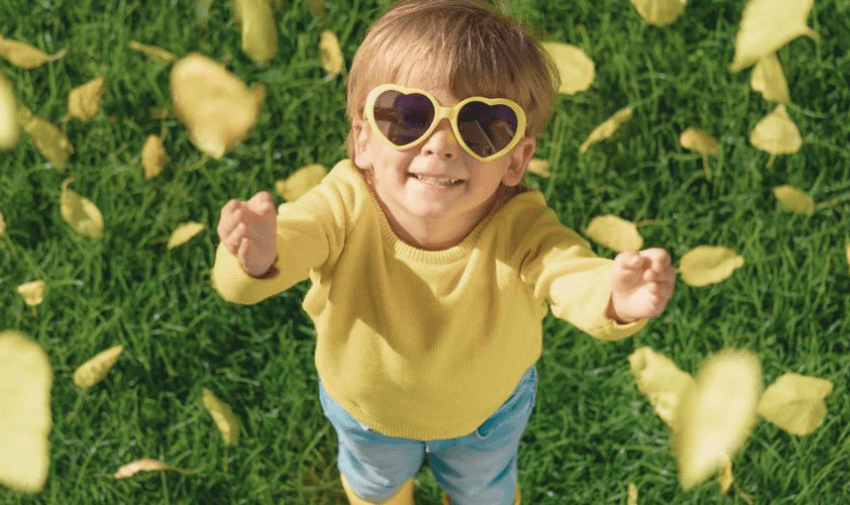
<point>94,370</point>
<point>184,232</point>
<point>330,55</point>
<point>607,128</point>
<point>776,134</point>
<point>52,143</point>
<point>659,12</point>
<point>8,122</point>
<point>660,381</point>
<point>214,104</point>
<point>259,29</point>
<point>614,233</point>
<point>539,167</point>
<point>767,25</point>
<point>633,494</point>
<point>153,156</point>
<point>145,465</point>
<point>300,182</point>
<point>153,51</point>
<point>724,476</point>
<point>2,225</point>
<point>704,265</point>
<point>32,292</point>
<point>575,67</point>
<point>25,422</point>
<point>794,199</point>
<point>795,403</point>
<point>715,417</point>
<point>769,80</point>
<point>84,100</point>
<point>699,140</point>
<point>223,416</point>
<point>83,215</point>
<point>24,55</point>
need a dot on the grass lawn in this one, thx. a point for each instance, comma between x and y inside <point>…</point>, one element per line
<point>592,432</point>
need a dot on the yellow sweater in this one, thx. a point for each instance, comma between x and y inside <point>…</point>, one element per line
<point>426,344</point>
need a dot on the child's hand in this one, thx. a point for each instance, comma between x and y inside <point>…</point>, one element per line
<point>247,230</point>
<point>641,284</point>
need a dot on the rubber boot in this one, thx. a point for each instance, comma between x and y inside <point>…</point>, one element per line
<point>404,495</point>
<point>447,500</point>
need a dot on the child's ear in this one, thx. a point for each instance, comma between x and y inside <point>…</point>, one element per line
<point>362,154</point>
<point>519,159</point>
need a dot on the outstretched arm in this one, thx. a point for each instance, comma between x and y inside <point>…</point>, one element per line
<point>641,284</point>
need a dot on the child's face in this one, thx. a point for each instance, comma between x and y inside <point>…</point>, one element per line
<point>428,214</point>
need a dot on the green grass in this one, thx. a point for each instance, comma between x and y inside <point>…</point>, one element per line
<point>592,431</point>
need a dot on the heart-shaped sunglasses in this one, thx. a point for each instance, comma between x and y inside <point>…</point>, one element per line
<point>485,127</point>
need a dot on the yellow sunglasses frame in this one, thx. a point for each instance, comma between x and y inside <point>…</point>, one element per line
<point>441,113</point>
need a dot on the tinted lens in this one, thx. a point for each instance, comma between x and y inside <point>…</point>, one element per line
<point>403,118</point>
<point>486,129</point>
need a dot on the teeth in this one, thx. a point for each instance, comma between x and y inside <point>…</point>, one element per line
<point>434,180</point>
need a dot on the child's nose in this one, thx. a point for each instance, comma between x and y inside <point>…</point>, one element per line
<point>442,142</point>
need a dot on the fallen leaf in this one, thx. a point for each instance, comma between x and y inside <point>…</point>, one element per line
<point>83,215</point>
<point>539,167</point>
<point>575,67</point>
<point>776,134</point>
<point>145,465</point>
<point>215,105</point>
<point>153,156</point>
<point>184,232</point>
<point>8,122</point>
<point>633,494</point>
<point>49,139</point>
<point>716,416</point>
<point>699,140</point>
<point>259,29</point>
<point>795,403</point>
<point>614,233</point>
<point>84,100</point>
<point>724,476</point>
<point>660,381</point>
<point>32,292</point>
<point>767,25</point>
<point>94,370</point>
<point>300,182</point>
<point>659,12</point>
<point>24,55</point>
<point>223,416</point>
<point>607,128</point>
<point>153,51</point>
<point>704,265</point>
<point>794,199</point>
<point>2,225</point>
<point>769,80</point>
<point>25,421</point>
<point>330,55</point>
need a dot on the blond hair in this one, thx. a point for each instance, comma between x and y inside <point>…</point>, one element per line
<point>467,44</point>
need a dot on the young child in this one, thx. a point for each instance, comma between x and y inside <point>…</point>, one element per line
<point>431,266</point>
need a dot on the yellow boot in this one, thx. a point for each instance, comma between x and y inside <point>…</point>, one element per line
<point>447,500</point>
<point>404,495</point>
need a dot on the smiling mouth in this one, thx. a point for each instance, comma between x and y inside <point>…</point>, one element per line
<point>438,180</point>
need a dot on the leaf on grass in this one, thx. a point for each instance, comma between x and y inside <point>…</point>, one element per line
<point>153,51</point>
<point>716,416</point>
<point>83,215</point>
<point>24,55</point>
<point>49,139</point>
<point>795,403</point>
<point>259,29</point>
<point>25,422</point>
<point>660,381</point>
<point>704,265</point>
<point>153,156</point>
<point>795,200</point>
<point>767,25</point>
<point>699,140</point>
<point>223,416</point>
<point>607,128</point>
<point>215,105</point>
<point>32,292</point>
<point>633,494</point>
<point>145,465</point>
<point>84,100</point>
<point>769,80</point>
<point>575,67</point>
<point>330,55</point>
<point>539,167</point>
<point>8,122</point>
<point>184,232</point>
<point>614,233</point>
<point>2,225</point>
<point>94,370</point>
<point>659,12</point>
<point>776,134</point>
<point>301,181</point>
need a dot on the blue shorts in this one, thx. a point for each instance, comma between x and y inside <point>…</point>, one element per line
<point>479,468</point>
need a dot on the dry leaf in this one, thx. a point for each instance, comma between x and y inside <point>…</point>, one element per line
<point>724,476</point>
<point>769,80</point>
<point>25,422</point>
<point>330,55</point>
<point>794,199</point>
<point>659,12</point>
<point>49,139</point>
<point>661,381</point>
<point>633,494</point>
<point>153,51</point>
<point>259,29</point>
<point>153,156</point>
<point>614,233</point>
<point>223,416</point>
<point>94,370</point>
<point>216,106</point>
<point>24,55</point>
<point>715,417</point>
<point>704,265</point>
<point>699,140</point>
<point>300,182</point>
<point>575,67</point>
<point>607,128</point>
<point>83,215</point>
<point>767,25</point>
<point>8,122</point>
<point>776,134</point>
<point>795,403</point>
<point>32,292</point>
<point>84,100</point>
<point>539,167</point>
<point>145,465</point>
<point>184,232</point>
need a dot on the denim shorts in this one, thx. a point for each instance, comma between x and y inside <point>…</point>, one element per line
<point>476,469</point>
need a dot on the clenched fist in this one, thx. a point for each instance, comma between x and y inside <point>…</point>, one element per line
<point>247,230</point>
